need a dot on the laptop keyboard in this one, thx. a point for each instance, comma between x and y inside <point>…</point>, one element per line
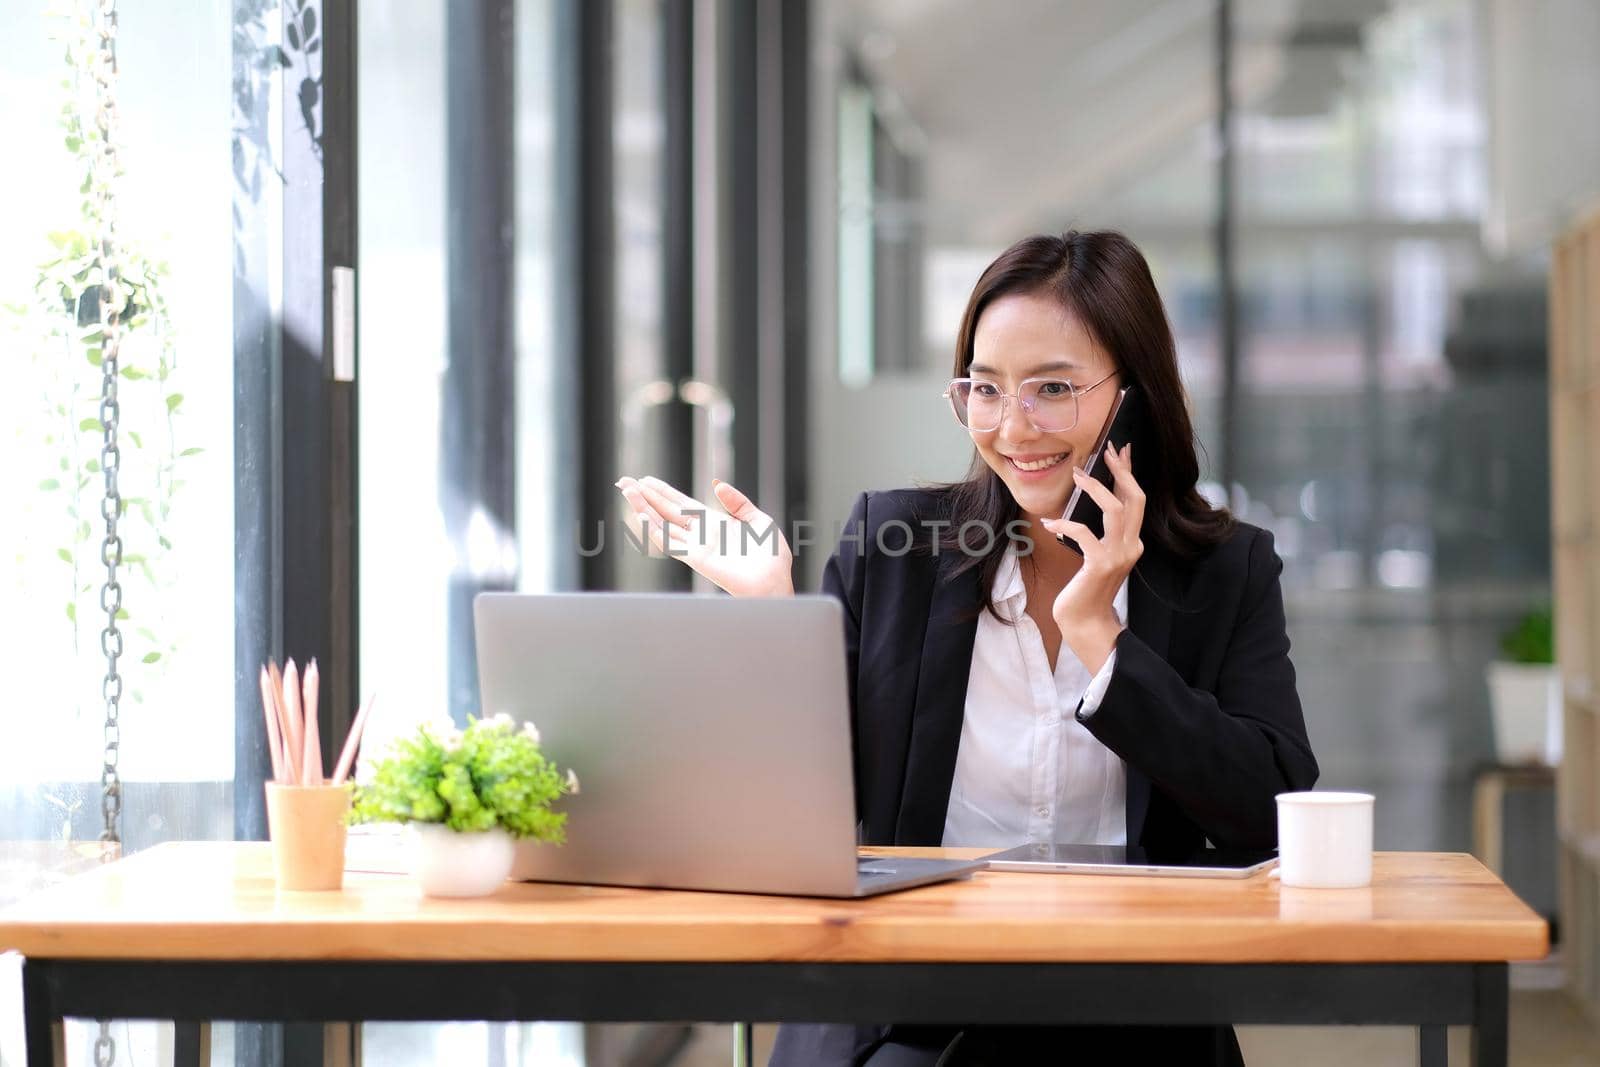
<point>868,868</point>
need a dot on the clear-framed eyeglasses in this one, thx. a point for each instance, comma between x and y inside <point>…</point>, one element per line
<point>1051,404</point>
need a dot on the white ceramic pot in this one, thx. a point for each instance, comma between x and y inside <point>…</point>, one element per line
<point>1525,702</point>
<point>451,864</point>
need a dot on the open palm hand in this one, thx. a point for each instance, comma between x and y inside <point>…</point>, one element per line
<point>739,549</point>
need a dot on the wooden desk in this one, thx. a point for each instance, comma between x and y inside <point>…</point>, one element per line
<point>198,931</point>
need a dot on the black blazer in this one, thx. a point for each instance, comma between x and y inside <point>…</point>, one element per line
<point>1202,704</point>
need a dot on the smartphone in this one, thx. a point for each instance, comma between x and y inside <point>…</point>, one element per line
<point>1117,432</point>
<point>1116,859</point>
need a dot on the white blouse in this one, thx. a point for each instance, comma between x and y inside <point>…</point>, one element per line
<point>1027,770</point>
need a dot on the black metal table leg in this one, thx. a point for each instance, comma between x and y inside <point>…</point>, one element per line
<point>187,1044</point>
<point>303,1044</point>
<point>1433,1046</point>
<point>38,1019</point>
<point>1491,1038</point>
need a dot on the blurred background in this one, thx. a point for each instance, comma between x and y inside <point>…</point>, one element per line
<point>421,278</point>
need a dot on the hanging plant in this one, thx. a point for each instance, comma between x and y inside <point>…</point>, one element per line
<point>97,310</point>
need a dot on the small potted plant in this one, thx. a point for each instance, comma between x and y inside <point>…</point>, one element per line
<point>467,795</point>
<point>1525,693</point>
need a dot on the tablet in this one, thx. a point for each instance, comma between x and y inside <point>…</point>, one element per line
<point>1117,859</point>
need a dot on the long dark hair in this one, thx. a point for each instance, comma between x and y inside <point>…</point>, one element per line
<point>1102,279</point>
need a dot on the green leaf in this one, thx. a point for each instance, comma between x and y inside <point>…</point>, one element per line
<point>93,355</point>
<point>92,424</point>
<point>49,484</point>
<point>150,657</point>
<point>1532,640</point>
<point>92,466</point>
<point>133,374</point>
<point>173,401</point>
<point>191,452</point>
<point>138,442</point>
<point>66,557</point>
<point>74,143</point>
<point>122,614</point>
<point>72,612</point>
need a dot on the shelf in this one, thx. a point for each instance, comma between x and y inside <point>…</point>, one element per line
<point>1583,847</point>
<point>1575,535</point>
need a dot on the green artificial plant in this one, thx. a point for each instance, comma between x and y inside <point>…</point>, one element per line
<point>1532,640</point>
<point>490,774</point>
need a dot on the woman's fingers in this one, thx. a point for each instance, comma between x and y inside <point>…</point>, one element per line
<point>1110,507</point>
<point>1128,489</point>
<point>649,523</point>
<point>673,506</point>
<point>656,501</point>
<point>736,503</point>
<point>1084,537</point>
<point>730,549</point>
<point>1121,464</point>
<point>742,509</point>
<point>681,500</point>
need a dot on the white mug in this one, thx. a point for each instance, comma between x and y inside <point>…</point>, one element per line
<point>1325,840</point>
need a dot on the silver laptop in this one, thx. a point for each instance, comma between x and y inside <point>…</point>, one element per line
<point>711,735</point>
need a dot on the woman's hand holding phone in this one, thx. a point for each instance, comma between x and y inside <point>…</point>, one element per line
<point>740,549</point>
<point>1084,610</point>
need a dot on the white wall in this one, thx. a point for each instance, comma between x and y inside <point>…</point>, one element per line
<point>894,431</point>
<point>1543,94</point>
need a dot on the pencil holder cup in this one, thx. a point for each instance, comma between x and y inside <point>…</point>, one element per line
<point>307,826</point>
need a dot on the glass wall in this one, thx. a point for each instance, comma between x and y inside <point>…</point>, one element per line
<point>406,554</point>
<point>1392,426</point>
<point>168,207</point>
<point>931,157</point>
<point>447,421</point>
<point>414,368</point>
<point>647,395</point>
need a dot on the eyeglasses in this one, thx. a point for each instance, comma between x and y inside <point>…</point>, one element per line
<point>1051,404</point>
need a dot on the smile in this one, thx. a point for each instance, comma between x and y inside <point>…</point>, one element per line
<point>1038,464</point>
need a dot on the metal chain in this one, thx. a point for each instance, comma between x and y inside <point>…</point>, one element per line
<point>105,1049</point>
<point>103,171</point>
<point>112,301</point>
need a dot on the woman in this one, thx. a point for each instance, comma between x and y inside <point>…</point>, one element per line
<point>1006,689</point>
